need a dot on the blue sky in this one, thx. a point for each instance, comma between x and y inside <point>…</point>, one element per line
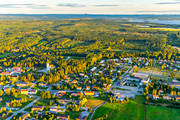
<point>89,6</point>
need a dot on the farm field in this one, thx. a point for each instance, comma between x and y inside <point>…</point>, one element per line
<point>136,110</point>
<point>158,73</point>
<point>131,111</point>
<point>161,29</point>
<point>93,102</point>
<point>162,113</point>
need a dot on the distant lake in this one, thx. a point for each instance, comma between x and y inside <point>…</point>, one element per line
<point>170,22</point>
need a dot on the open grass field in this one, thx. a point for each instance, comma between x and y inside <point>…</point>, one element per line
<point>158,73</point>
<point>154,71</point>
<point>93,103</point>
<point>131,111</point>
<point>136,110</point>
<point>162,113</point>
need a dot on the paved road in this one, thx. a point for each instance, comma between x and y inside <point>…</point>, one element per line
<point>22,110</point>
<point>95,110</point>
<point>29,105</point>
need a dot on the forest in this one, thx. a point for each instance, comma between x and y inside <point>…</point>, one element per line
<point>33,43</point>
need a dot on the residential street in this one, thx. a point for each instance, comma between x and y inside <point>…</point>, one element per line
<point>22,110</point>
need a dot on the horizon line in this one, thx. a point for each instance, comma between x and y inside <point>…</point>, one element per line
<point>77,14</point>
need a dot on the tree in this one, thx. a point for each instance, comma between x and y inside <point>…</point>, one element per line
<point>10,111</point>
<point>8,92</point>
<point>20,118</point>
<point>127,99</point>
<point>42,94</point>
<point>1,92</point>
<point>147,97</point>
<point>48,94</point>
<point>81,95</point>
<point>163,66</point>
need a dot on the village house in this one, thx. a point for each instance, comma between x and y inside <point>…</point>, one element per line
<point>177,98</point>
<point>161,91</point>
<point>93,69</point>
<point>32,92</point>
<point>25,116</point>
<point>87,88</point>
<point>22,84</point>
<point>95,88</point>
<point>75,94</point>
<point>24,91</point>
<point>38,108</point>
<point>5,74</point>
<point>49,67</point>
<point>62,92</point>
<point>78,88</point>
<point>57,109</point>
<point>155,97</point>
<point>59,95</point>
<point>74,82</point>
<point>42,84</point>
<point>89,93</point>
<point>175,84</point>
<point>67,81</point>
<point>67,78</point>
<point>167,98</point>
<point>63,117</point>
<point>81,74</point>
<point>119,97</point>
<point>64,102</point>
<point>96,94</point>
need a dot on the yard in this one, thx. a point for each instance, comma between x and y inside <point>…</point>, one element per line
<point>136,110</point>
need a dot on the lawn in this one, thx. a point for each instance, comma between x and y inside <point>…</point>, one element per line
<point>135,110</point>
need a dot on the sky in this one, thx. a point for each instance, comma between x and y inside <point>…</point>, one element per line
<point>89,6</point>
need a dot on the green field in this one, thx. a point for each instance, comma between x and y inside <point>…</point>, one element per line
<point>136,110</point>
<point>131,111</point>
<point>161,29</point>
<point>162,113</point>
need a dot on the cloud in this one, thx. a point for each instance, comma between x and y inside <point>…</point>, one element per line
<point>167,3</point>
<point>33,6</point>
<point>165,11</point>
<point>106,5</point>
<point>71,5</point>
<point>82,5</point>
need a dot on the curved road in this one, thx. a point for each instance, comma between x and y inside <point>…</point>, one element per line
<point>95,110</point>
